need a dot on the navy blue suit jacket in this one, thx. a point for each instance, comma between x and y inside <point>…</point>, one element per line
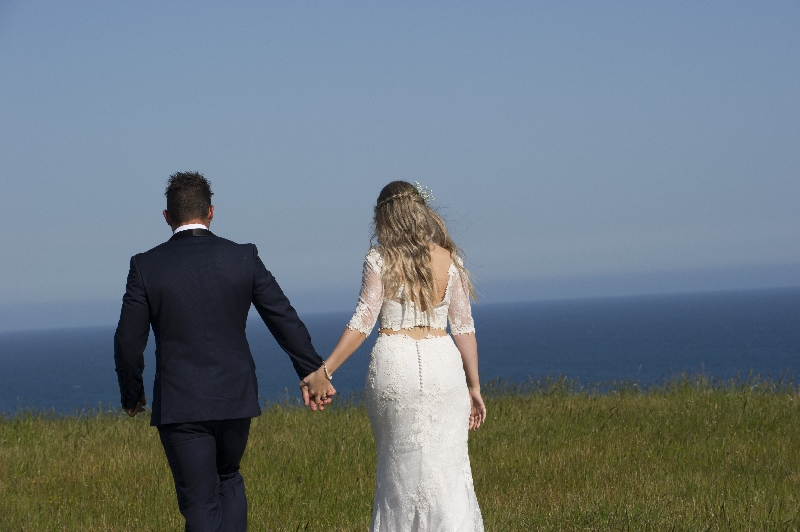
<point>195,291</point>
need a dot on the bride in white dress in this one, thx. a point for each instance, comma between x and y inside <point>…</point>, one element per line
<point>422,390</point>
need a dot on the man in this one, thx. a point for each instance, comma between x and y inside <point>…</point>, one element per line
<point>195,291</point>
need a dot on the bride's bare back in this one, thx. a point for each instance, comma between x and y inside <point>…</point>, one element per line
<point>440,264</point>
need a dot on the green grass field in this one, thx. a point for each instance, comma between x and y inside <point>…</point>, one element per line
<point>687,455</point>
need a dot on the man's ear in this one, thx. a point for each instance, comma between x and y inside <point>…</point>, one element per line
<point>167,217</point>
<point>210,213</point>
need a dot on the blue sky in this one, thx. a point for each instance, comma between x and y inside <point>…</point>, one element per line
<point>576,149</point>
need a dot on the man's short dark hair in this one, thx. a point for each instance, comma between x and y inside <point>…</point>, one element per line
<point>188,196</point>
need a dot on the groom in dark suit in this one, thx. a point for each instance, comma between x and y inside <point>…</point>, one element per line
<point>195,291</point>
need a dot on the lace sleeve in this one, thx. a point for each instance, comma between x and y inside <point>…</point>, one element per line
<point>460,311</point>
<point>370,299</point>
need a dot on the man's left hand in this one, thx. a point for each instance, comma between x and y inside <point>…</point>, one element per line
<point>136,409</point>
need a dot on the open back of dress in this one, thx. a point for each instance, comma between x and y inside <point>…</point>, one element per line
<point>396,314</point>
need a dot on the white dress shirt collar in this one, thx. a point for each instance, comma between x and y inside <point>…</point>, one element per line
<point>189,226</point>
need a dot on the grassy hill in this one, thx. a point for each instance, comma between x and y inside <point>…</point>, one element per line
<point>685,455</point>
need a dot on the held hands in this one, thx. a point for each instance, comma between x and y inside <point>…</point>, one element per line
<point>477,414</point>
<point>317,390</point>
<point>136,409</point>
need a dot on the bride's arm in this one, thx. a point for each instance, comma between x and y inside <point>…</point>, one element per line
<point>347,345</point>
<point>468,347</point>
<point>361,324</point>
<point>462,327</point>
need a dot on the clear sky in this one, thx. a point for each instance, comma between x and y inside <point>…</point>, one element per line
<point>575,148</point>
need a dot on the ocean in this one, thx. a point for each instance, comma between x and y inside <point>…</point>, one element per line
<point>642,338</point>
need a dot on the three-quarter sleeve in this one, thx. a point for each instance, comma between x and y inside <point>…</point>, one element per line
<point>370,299</point>
<point>460,311</point>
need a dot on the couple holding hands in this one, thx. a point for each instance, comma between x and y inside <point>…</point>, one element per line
<point>422,389</point>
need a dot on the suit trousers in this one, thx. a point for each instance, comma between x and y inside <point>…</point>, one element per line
<point>204,457</point>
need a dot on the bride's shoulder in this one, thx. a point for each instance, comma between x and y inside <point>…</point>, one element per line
<point>374,258</point>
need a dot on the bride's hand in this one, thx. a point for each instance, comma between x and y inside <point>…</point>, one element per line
<point>477,414</point>
<point>317,390</point>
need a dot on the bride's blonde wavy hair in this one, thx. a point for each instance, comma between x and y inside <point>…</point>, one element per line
<point>404,226</point>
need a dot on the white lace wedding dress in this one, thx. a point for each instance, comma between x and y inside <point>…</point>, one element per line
<point>419,406</point>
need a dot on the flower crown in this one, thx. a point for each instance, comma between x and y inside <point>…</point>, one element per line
<point>423,192</point>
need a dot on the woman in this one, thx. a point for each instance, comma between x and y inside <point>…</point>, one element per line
<point>422,392</point>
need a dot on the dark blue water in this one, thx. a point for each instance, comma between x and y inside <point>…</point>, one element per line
<point>640,338</point>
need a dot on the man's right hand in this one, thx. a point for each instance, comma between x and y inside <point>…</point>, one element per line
<point>136,409</point>
<point>317,390</point>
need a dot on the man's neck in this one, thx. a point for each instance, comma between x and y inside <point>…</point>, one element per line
<point>190,225</point>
